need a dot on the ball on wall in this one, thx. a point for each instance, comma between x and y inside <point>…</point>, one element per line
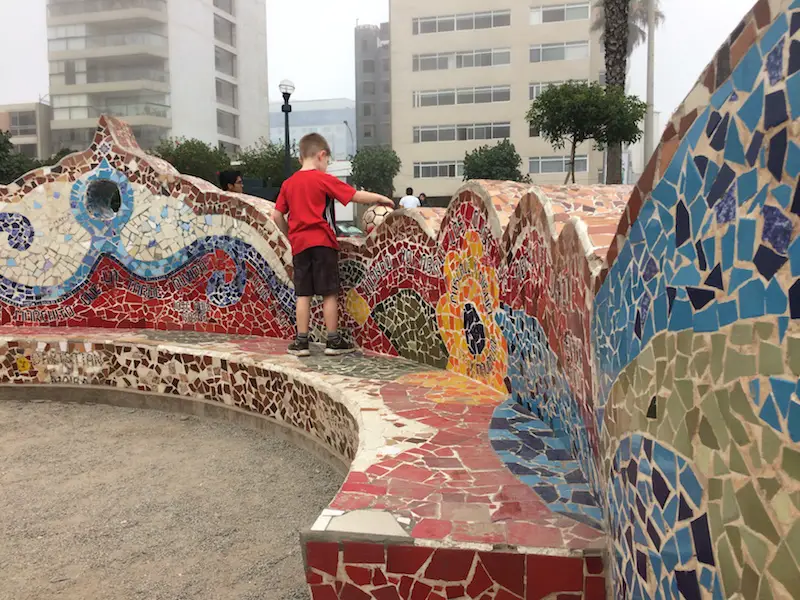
<point>374,216</point>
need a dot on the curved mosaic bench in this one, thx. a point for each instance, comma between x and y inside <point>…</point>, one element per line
<point>426,502</point>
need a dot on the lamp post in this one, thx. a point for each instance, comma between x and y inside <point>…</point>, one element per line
<point>649,124</point>
<point>287,89</point>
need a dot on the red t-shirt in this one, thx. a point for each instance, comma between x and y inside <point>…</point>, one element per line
<point>308,197</point>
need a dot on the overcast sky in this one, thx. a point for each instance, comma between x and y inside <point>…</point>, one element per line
<point>693,31</point>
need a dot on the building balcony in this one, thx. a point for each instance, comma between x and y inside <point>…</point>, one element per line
<point>113,80</point>
<point>72,12</point>
<point>140,113</point>
<point>113,44</point>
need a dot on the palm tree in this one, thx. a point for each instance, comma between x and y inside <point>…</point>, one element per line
<point>615,42</point>
<point>637,22</point>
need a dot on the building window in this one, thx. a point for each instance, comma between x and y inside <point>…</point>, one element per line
<point>462,22</point>
<point>230,149</point>
<point>23,123</point>
<point>225,62</point>
<point>537,88</point>
<point>533,131</point>
<point>601,78</point>
<point>227,93</point>
<point>226,5</point>
<point>563,51</point>
<point>224,31</point>
<point>435,170</point>
<point>557,164</point>
<point>368,66</point>
<point>462,133</point>
<point>29,150</point>
<point>470,95</point>
<point>227,124</point>
<point>461,60</point>
<point>367,109</point>
<point>369,88</point>
<point>559,12</point>
<point>369,132</point>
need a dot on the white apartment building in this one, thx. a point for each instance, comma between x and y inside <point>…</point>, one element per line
<point>193,68</point>
<point>29,126</point>
<point>464,74</point>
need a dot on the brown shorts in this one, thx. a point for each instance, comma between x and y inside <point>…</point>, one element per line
<point>316,272</point>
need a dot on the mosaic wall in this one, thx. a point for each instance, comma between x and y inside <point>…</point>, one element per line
<point>634,352</point>
<point>695,337</point>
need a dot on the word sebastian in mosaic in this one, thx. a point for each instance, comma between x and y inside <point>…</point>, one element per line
<point>428,264</point>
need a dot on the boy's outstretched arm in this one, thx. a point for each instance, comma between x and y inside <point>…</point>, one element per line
<point>280,221</point>
<point>362,197</point>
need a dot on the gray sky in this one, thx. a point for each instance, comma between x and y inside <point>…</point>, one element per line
<point>693,31</point>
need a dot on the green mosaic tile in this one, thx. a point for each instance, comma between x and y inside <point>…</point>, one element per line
<point>755,457</point>
<point>765,329</point>
<point>720,468</point>
<point>659,345</point>
<point>738,365</point>
<point>793,353</point>
<point>685,339</point>
<point>681,366</point>
<point>770,359</point>
<point>784,569</point>
<point>795,498</point>
<point>737,463</point>
<point>682,441</point>
<point>793,540</point>
<point>782,507</point>
<point>770,486</point>
<point>742,333</point>
<point>712,412</point>
<point>791,463</point>
<point>647,359</point>
<point>755,516</point>
<point>741,404</point>
<point>765,591</point>
<point>676,413</point>
<point>770,445</point>
<point>719,342</point>
<point>730,571</point>
<point>714,489</point>
<point>692,421</point>
<point>685,389</point>
<point>730,507</point>
<point>707,436</point>
<point>702,459</point>
<point>661,373</point>
<point>700,363</point>
<point>757,549</point>
<point>735,540</point>
<point>735,427</point>
<point>715,520</point>
<point>750,581</point>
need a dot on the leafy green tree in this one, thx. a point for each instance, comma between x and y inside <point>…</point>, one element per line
<point>193,157</point>
<point>501,162</point>
<point>374,169</point>
<point>637,22</point>
<point>13,164</point>
<point>53,160</point>
<point>266,161</point>
<point>575,112</point>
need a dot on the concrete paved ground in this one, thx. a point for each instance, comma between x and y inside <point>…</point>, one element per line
<point>99,502</point>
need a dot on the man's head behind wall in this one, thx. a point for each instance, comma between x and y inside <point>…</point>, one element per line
<point>231,181</point>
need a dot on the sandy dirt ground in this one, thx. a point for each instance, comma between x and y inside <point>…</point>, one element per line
<point>99,502</point>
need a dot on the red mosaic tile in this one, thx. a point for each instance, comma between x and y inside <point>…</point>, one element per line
<point>450,565</point>
<point>406,559</point>
<point>363,553</point>
<point>550,574</point>
<point>506,569</point>
<point>323,556</point>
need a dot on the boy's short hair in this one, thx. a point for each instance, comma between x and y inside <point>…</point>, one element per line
<point>409,191</point>
<point>312,144</point>
<point>227,178</point>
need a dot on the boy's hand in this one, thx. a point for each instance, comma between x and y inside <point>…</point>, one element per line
<point>385,201</point>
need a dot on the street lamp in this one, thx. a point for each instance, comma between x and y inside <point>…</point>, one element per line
<point>287,89</point>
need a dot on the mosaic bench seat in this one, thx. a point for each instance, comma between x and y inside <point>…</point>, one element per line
<point>427,502</point>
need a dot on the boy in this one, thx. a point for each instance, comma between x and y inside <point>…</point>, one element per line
<point>308,198</point>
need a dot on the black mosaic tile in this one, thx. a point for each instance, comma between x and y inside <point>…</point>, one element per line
<point>688,585</point>
<point>713,121</point>
<point>684,510</point>
<point>775,112</point>
<point>794,300</point>
<point>794,57</point>
<point>653,533</point>
<point>660,488</point>
<point>683,229</point>
<point>702,540</point>
<point>777,154</point>
<point>671,294</point>
<point>721,134</point>
<point>754,148</point>
<point>723,63</point>
<point>701,162</point>
<point>652,410</point>
<point>701,255</point>
<point>714,278</point>
<point>768,262</point>
<point>721,185</point>
<point>796,200</point>
<point>795,25</point>
<point>641,564</point>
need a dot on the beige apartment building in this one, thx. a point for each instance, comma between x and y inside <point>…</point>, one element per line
<point>464,73</point>
<point>29,126</point>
